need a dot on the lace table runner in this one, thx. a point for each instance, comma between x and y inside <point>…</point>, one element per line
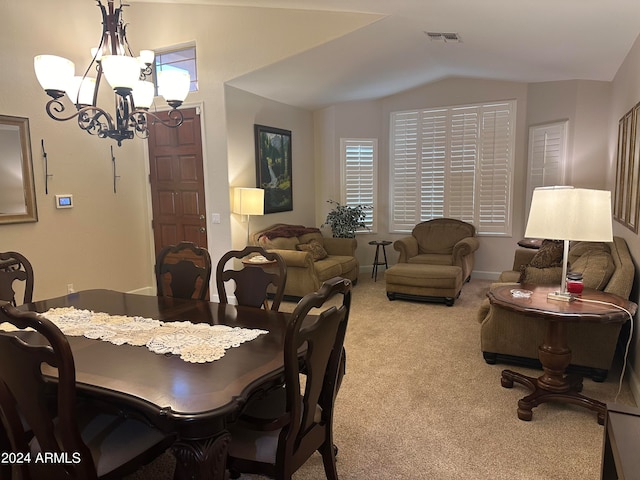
<point>193,342</point>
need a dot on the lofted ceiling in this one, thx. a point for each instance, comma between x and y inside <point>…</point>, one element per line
<point>513,40</point>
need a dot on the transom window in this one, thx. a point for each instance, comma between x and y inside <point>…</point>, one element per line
<point>453,162</point>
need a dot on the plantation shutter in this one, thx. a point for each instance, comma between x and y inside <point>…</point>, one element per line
<point>547,156</point>
<point>359,165</point>
<point>495,178</point>
<point>453,162</point>
<point>404,171</point>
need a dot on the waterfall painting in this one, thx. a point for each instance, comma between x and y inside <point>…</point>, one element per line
<point>273,168</point>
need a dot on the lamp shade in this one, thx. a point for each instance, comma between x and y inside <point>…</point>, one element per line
<point>80,90</point>
<point>143,94</point>
<point>53,72</point>
<point>174,84</point>
<point>567,213</point>
<point>248,201</point>
<point>121,71</point>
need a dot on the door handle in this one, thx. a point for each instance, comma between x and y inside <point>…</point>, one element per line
<point>201,217</point>
<point>203,230</point>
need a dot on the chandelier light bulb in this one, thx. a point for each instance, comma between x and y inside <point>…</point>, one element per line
<point>173,85</point>
<point>146,57</point>
<point>143,94</point>
<point>54,73</point>
<point>96,53</point>
<point>122,72</point>
<point>80,90</point>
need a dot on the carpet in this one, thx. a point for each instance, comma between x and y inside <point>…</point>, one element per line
<point>419,402</point>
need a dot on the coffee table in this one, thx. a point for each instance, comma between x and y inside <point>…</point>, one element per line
<point>554,385</point>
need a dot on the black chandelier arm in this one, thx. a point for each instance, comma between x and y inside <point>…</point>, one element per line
<point>175,119</point>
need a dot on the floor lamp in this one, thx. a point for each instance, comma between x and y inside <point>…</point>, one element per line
<point>567,213</point>
<point>248,201</point>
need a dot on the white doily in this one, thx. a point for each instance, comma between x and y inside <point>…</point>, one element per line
<point>193,342</point>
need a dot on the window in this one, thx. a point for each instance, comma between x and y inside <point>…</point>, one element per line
<point>453,162</point>
<point>182,58</point>
<point>547,153</point>
<point>359,172</point>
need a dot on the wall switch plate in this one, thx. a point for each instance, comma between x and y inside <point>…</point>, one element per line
<point>215,217</point>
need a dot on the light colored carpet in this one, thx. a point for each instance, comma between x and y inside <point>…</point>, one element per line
<point>419,402</point>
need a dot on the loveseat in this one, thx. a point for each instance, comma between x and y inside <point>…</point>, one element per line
<point>510,337</point>
<point>310,258</point>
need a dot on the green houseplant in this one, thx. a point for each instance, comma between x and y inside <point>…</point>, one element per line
<point>345,220</point>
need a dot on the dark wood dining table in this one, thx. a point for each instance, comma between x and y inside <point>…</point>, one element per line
<point>194,401</point>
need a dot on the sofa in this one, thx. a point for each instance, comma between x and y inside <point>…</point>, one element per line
<point>509,337</point>
<point>310,258</point>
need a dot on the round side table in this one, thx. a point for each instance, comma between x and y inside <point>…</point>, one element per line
<point>376,260</point>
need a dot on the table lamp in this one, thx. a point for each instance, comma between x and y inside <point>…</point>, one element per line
<point>567,213</point>
<point>248,201</point>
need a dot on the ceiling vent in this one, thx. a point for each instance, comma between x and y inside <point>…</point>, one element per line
<point>443,37</point>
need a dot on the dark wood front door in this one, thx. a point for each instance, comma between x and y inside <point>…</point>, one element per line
<point>177,182</point>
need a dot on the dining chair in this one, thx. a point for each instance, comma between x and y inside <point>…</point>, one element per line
<point>276,433</point>
<point>183,271</point>
<point>255,279</point>
<point>44,418</point>
<point>14,267</point>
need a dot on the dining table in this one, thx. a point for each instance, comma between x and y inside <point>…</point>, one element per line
<point>193,401</point>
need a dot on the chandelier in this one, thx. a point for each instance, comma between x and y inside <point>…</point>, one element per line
<point>127,76</point>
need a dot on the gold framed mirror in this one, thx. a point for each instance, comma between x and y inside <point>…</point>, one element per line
<point>17,189</point>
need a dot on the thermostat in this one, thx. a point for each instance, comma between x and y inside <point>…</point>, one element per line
<point>64,201</point>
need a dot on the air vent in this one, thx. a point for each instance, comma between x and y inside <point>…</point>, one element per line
<point>448,37</point>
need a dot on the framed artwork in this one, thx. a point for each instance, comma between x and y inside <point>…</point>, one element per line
<point>273,168</point>
<point>626,199</point>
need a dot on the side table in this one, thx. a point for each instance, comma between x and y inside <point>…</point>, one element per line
<point>376,260</point>
<point>554,353</point>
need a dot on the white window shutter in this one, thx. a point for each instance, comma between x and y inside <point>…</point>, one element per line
<point>547,156</point>
<point>404,172</point>
<point>464,169</point>
<point>359,176</point>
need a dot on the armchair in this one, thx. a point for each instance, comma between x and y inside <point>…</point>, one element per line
<point>441,241</point>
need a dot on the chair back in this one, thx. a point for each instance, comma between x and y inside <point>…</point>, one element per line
<point>14,267</point>
<point>183,271</point>
<point>255,280</point>
<point>310,425</point>
<point>29,402</point>
<point>439,235</point>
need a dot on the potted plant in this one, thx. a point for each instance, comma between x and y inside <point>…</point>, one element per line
<point>345,220</point>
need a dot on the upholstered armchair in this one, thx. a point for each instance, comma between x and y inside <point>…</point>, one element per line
<point>441,241</point>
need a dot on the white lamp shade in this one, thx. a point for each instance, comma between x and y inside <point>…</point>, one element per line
<point>143,94</point>
<point>248,201</point>
<point>121,71</point>
<point>174,84</point>
<point>567,213</point>
<point>80,90</point>
<point>96,53</point>
<point>53,72</point>
<point>146,57</point>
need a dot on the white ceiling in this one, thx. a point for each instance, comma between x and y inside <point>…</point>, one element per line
<point>515,40</point>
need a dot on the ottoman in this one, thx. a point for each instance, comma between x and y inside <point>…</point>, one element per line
<point>415,281</point>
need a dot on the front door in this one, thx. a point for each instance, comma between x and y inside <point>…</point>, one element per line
<point>177,182</point>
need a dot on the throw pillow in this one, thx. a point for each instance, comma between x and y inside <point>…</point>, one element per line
<point>316,250</point>
<point>548,256</point>
<point>596,268</point>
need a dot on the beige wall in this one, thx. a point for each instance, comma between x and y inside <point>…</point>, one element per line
<point>626,93</point>
<point>243,110</point>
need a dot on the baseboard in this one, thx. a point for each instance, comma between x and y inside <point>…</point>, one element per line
<point>151,291</point>
<point>480,275</point>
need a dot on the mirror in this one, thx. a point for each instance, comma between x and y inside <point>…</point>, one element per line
<point>17,191</point>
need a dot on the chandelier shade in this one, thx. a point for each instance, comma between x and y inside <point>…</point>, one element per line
<point>126,75</point>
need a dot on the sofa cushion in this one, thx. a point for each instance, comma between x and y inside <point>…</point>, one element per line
<point>309,237</point>
<point>578,249</point>
<point>431,259</point>
<point>346,263</point>
<point>327,268</point>
<point>596,267</point>
<point>316,250</point>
